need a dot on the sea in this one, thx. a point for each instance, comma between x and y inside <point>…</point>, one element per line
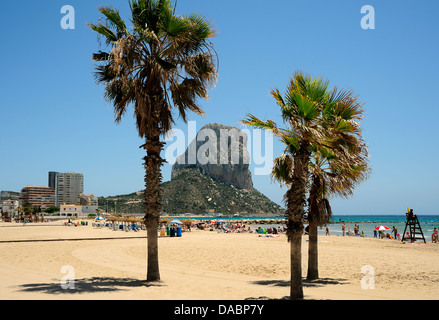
<point>366,223</point>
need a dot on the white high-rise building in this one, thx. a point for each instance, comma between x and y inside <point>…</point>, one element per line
<point>67,185</point>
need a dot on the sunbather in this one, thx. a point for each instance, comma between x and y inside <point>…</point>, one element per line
<point>435,235</point>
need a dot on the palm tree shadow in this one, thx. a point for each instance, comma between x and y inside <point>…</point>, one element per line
<point>306,283</point>
<point>286,283</point>
<point>323,282</point>
<point>88,285</point>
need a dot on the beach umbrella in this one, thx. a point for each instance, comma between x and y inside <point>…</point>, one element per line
<point>381,228</point>
<point>176,221</point>
<point>100,218</point>
<point>221,221</point>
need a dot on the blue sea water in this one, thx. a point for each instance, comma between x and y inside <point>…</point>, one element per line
<point>367,223</point>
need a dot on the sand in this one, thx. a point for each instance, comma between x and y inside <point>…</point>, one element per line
<point>204,265</point>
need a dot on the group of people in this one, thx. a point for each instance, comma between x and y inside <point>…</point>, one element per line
<point>172,230</point>
<point>356,232</point>
<point>238,227</point>
<point>381,234</point>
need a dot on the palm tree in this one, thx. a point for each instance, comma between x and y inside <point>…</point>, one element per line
<point>300,109</point>
<point>340,164</point>
<point>319,120</point>
<point>162,62</point>
<point>326,180</point>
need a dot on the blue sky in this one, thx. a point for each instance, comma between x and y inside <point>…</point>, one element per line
<point>54,118</point>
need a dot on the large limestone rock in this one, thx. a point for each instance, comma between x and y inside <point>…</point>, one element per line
<point>220,152</point>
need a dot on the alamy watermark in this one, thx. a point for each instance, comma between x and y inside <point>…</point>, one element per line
<point>368,281</point>
<point>68,20</point>
<point>368,20</point>
<point>68,281</point>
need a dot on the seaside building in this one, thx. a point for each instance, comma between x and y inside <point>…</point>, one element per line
<point>53,183</point>
<point>67,186</point>
<point>9,195</point>
<point>42,197</point>
<point>9,206</point>
<point>88,202</point>
<point>70,210</point>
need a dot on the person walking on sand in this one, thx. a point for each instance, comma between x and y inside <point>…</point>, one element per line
<point>327,231</point>
<point>343,228</point>
<point>395,232</point>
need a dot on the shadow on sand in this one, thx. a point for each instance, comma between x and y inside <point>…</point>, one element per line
<point>88,285</point>
<point>286,283</point>
<point>306,283</point>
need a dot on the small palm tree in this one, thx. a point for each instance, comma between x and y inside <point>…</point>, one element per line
<point>327,179</point>
<point>162,62</point>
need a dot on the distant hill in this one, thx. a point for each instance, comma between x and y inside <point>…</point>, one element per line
<point>194,192</point>
<point>224,155</point>
<point>221,185</point>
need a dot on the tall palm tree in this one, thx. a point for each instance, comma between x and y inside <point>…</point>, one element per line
<point>340,164</point>
<point>319,120</point>
<point>161,62</point>
<point>301,108</point>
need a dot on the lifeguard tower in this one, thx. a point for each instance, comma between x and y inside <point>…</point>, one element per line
<point>414,227</point>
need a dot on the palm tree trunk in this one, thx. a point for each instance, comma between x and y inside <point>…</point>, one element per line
<point>314,215</point>
<point>313,268</point>
<point>153,206</point>
<point>319,213</point>
<point>296,288</point>
<point>294,233</point>
<point>296,199</point>
<point>153,272</point>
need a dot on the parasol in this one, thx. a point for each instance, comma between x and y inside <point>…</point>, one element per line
<point>381,228</point>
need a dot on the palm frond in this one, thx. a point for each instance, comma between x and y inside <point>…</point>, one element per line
<point>165,62</point>
<point>113,16</point>
<point>101,56</point>
<point>109,35</point>
<point>283,169</point>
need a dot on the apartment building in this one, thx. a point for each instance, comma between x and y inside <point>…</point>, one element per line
<point>9,195</point>
<point>9,206</point>
<point>67,186</point>
<point>42,197</point>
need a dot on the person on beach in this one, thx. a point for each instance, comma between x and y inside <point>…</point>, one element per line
<point>395,232</point>
<point>327,231</point>
<point>411,215</point>
<point>435,236</point>
<point>375,234</point>
<point>343,228</point>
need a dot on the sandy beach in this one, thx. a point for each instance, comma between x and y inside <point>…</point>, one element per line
<point>204,265</point>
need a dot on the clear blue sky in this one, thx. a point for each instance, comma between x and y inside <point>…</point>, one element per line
<point>54,118</point>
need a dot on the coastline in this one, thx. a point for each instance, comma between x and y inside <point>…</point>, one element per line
<point>205,265</point>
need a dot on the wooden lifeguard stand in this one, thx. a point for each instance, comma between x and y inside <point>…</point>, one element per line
<point>414,227</point>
